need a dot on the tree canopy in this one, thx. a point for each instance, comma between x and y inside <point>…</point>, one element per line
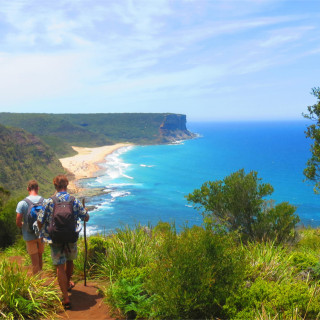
<point>312,170</point>
<point>237,203</point>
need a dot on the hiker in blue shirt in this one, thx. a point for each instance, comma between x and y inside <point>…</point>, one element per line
<point>60,226</point>
<point>35,245</point>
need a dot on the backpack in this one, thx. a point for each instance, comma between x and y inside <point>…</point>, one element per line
<point>33,210</point>
<point>62,228</point>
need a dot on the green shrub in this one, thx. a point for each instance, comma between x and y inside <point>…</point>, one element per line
<point>23,296</point>
<point>8,229</point>
<point>162,228</point>
<point>194,272</point>
<point>304,260</point>
<point>276,223</point>
<point>96,245</point>
<point>280,300</point>
<point>309,239</point>
<point>128,295</point>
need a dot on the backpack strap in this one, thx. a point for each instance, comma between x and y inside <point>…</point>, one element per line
<point>28,201</point>
<point>55,199</point>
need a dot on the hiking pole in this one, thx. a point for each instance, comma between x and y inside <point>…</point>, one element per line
<point>85,248</point>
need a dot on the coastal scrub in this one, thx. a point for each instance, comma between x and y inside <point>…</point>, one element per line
<point>24,296</point>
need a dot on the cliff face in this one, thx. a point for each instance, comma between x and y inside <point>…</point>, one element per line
<point>173,128</point>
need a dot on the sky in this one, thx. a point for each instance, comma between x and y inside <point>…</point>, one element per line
<point>213,60</point>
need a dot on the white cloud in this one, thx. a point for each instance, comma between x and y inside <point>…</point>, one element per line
<point>281,36</point>
<point>109,50</point>
<point>26,77</point>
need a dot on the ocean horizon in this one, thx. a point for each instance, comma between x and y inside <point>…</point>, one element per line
<point>147,184</point>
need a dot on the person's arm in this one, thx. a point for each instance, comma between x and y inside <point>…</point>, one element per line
<point>19,218</point>
<point>20,209</point>
<point>82,211</point>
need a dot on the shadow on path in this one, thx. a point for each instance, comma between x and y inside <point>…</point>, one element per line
<point>86,303</point>
<point>83,300</point>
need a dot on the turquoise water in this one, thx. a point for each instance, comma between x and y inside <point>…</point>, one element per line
<point>145,184</point>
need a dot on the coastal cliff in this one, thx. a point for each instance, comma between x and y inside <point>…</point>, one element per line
<point>62,131</point>
<point>174,128</point>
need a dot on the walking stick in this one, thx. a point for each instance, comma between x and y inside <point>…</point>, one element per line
<point>85,248</point>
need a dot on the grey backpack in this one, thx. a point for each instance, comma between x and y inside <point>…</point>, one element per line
<point>33,210</point>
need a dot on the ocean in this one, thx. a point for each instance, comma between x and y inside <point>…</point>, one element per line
<point>148,184</point>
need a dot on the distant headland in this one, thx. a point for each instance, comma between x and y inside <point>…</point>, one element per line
<point>62,131</point>
<point>32,143</point>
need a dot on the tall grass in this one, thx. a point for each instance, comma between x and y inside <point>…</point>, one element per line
<point>269,261</point>
<point>278,285</point>
<point>18,249</point>
<point>25,297</point>
<point>126,248</point>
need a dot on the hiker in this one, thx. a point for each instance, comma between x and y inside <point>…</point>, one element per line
<point>62,235</point>
<point>24,220</point>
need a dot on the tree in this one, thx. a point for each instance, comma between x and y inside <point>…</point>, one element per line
<point>312,170</point>
<point>4,196</point>
<point>237,203</point>
<point>8,228</point>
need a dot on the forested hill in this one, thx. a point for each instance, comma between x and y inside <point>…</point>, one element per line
<point>61,131</point>
<point>24,157</point>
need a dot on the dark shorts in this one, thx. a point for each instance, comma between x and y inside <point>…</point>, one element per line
<point>60,253</point>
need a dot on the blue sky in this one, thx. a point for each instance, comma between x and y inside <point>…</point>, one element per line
<point>208,59</point>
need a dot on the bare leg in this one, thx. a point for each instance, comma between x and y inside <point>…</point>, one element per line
<point>69,272</point>
<point>40,252</point>
<point>40,261</point>
<point>63,282</point>
<point>35,263</point>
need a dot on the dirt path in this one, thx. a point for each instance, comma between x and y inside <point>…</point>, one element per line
<point>86,301</point>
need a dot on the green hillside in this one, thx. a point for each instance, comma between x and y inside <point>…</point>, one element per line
<point>55,131</point>
<point>24,157</point>
<point>61,131</point>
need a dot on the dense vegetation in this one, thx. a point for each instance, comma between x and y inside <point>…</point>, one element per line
<point>212,271</point>
<point>199,273</point>
<point>8,228</point>
<point>61,131</point>
<point>26,297</point>
<point>24,157</point>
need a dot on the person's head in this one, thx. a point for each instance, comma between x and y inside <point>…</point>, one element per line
<point>60,182</point>
<point>33,186</point>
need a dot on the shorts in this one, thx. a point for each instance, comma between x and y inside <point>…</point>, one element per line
<point>60,253</point>
<point>35,246</point>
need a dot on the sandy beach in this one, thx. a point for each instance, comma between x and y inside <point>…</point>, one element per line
<point>86,163</point>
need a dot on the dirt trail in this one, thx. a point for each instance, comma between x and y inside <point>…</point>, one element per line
<point>86,301</point>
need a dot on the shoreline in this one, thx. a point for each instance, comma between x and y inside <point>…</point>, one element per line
<point>86,164</point>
